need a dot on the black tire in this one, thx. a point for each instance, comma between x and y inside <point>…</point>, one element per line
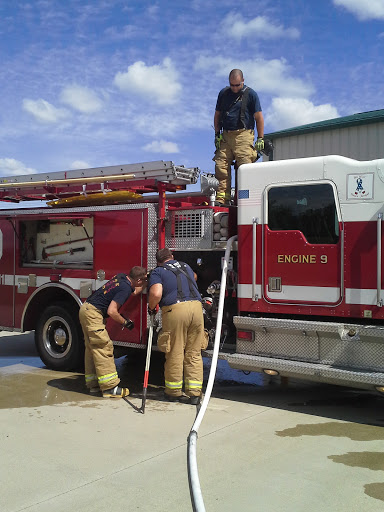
<point>59,339</point>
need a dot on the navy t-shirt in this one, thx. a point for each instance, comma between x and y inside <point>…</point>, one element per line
<point>118,289</point>
<point>231,120</point>
<point>168,279</point>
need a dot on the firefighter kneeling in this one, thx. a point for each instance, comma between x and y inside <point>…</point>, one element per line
<point>172,284</point>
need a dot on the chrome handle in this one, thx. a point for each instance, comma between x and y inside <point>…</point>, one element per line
<point>379,221</point>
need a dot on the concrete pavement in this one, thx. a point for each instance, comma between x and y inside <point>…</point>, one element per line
<point>295,448</point>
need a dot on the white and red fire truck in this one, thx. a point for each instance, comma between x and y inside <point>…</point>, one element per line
<point>304,287</point>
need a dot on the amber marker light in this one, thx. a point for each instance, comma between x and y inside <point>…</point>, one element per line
<point>270,372</point>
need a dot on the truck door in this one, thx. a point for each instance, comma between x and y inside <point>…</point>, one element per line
<point>7,273</point>
<point>302,244</point>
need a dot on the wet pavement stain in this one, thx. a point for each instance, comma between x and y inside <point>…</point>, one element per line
<point>354,431</point>
<point>375,490</point>
<point>25,386</point>
<point>33,390</point>
<point>368,460</point>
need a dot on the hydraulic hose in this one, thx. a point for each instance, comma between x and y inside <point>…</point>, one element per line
<point>193,476</point>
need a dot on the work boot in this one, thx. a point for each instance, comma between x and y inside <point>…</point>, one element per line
<point>94,390</point>
<point>183,399</point>
<point>172,398</point>
<point>116,392</point>
<point>194,400</point>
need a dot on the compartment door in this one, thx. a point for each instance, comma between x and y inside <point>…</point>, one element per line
<point>302,244</point>
<point>121,242</point>
<point>7,273</point>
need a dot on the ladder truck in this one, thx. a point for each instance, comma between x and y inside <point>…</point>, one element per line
<point>303,295</point>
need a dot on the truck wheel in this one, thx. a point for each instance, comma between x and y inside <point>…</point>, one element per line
<point>59,339</point>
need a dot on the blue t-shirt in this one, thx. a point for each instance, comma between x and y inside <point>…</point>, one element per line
<point>118,289</point>
<point>168,279</point>
<point>231,118</point>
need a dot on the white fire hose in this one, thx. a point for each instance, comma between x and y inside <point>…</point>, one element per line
<point>193,476</point>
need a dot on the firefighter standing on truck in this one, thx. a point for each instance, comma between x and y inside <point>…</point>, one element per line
<point>173,285</point>
<point>237,109</point>
<point>100,368</point>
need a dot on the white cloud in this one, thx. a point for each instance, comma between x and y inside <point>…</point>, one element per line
<point>288,112</point>
<point>158,82</point>
<point>274,77</point>
<point>12,167</point>
<point>161,146</point>
<point>80,164</point>
<point>81,98</point>
<point>44,111</point>
<point>270,76</point>
<point>363,9</point>
<point>260,27</point>
<point>166,125</point>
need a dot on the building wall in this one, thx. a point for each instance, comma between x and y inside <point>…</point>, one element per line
<point>360,142</point>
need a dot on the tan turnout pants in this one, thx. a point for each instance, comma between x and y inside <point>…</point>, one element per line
<point>100,368</point>
<point>182,338</point>
<point>237,145</point>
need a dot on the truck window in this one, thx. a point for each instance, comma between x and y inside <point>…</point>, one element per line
<point>56,243</point>
<point>310,209</point>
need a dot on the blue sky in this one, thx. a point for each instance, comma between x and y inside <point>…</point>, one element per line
<point>105,82</point>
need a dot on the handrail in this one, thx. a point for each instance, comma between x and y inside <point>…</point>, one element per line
<point>66,181</point>
<point>379,300</point>
<point>255,221</point>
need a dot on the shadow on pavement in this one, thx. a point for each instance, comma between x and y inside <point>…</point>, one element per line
<point>33,386</point>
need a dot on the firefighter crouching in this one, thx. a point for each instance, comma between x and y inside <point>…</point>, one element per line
<point>172,284</point>
<point>100,368</point>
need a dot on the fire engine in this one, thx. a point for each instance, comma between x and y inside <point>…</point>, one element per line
<point>303,293</point>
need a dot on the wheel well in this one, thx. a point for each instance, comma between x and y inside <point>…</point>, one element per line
<point>43,299</point>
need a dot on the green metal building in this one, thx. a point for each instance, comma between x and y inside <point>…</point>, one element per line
<point>360,136</point>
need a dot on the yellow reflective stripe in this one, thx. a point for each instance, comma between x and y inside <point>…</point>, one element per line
<point>90,377</point>
<point>106,378</point>
<point>193,384</point>
<point>174,385</point>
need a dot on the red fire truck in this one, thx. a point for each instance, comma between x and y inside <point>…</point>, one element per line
<point>304,282</point>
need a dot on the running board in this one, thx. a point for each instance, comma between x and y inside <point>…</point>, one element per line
<point>309,371</point>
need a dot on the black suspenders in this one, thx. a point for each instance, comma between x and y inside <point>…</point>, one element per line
<point>243,97</point>
<point>176,268</point>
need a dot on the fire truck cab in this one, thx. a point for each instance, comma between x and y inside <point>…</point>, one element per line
<point>310,270</point>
